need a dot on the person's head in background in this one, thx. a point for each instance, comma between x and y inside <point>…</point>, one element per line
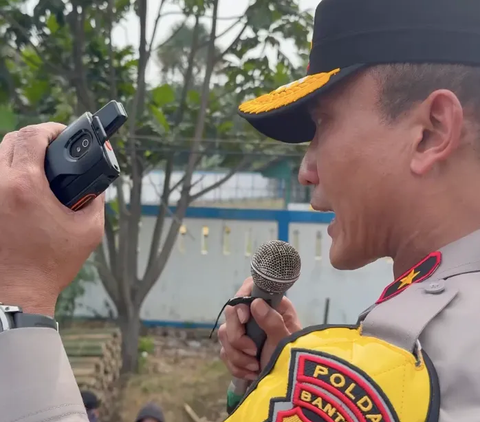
<point>150,413</point>
<point>92,405</point>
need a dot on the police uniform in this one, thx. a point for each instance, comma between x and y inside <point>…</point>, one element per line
<point>409,358</point>
<point>37,382</point>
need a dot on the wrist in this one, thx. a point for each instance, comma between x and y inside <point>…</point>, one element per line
<point>30,302</point>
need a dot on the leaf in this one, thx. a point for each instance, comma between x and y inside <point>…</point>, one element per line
<point>193,96</point>
<point>8,119</point>
<point>163,94</point>
<point>31,58</point>
<point>160,118</point>
<point>225,127</point>
<point>36,90</point>
<point>114,206</point>
<point>131,63</point>
<point>52,24</point>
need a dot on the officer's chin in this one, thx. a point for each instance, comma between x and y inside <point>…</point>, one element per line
<point>347,257</point>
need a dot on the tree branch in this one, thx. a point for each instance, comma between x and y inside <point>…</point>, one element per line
<point>138,105</point>
<point>227,30</point>
<point>224,32</point>
<point>113,77</point>
<point>182,179</point>
<point>121,197</point>
<point>155,25</point>
<point>189,73</point>
<point>157,231</point>
<point>172,35</point>
<point>240,166</point>
<point>79,77</point>
<point>112,250</point>
<point>156,269</point>
<point>237,38</point>
<point>108,280</point>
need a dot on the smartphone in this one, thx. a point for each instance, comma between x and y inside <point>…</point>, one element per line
<point>80,163</point>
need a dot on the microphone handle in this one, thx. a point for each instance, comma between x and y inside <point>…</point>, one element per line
<point>238,387</point>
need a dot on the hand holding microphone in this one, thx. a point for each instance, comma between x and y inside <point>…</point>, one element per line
<point>249,336</point>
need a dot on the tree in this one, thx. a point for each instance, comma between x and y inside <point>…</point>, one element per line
<point>61,60</point>
<point>174,53</point>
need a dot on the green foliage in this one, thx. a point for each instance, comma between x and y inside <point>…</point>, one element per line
<point>146,344</point>
<point>57,63</point>
<point>146,347</point>
<point>65,307</point>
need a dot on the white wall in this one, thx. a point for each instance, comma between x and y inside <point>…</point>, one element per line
<point>350,292</point>
<point>198,280</point>
<point>242,185</point>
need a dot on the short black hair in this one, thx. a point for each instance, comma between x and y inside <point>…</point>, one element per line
<point>404,84</point>
<point>90,400</point>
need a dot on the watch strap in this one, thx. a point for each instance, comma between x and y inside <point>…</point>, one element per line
<point>22,320</point>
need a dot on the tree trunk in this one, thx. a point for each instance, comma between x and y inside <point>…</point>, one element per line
<point>130,326</point>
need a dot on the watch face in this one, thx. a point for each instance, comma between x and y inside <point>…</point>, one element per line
<point>4,322</point>
<point>6,316</point>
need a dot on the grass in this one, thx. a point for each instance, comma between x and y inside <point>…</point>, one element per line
<point>171,379</point>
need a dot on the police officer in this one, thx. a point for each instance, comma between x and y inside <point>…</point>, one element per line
<point>43,245</point>
<point>391,108</point>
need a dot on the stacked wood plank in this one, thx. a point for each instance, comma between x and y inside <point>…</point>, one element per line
<point>96,358</point>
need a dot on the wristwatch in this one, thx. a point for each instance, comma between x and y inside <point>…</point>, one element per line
<point>13,317</point>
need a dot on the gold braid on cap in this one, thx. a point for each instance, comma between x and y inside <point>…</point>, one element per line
<point>287,94</point>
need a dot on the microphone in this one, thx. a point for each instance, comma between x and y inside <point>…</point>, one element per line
<point>275,267</point>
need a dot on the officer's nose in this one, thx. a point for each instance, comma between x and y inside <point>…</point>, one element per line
<point>308,175</point>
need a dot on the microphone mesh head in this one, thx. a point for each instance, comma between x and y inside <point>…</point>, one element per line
<point>275,266</point>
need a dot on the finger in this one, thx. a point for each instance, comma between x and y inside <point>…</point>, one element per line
<point>236,371</point>
<point>285,306</point>
<point>269,320</point>
<point>6,148</point>
<point>90,221</point>
<point>235,333</point>
<point>32,142</point>
<point>289,315</point>
<point>240,359</point>
<point>93,208</point>
<point>246,288</point>
<point>243,311</point>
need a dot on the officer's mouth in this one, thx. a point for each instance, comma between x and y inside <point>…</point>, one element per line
<point>331,226</point>
<point>320,208</point>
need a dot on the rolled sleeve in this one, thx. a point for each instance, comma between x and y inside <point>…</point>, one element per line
<point>37,383</point>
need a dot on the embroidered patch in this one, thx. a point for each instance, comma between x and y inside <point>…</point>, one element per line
<point>325,388</point>
<point>424,269</point>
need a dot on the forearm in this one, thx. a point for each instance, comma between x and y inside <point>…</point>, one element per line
<point>38,383</point>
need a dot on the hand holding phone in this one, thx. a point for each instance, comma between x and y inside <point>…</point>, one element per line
<point>81,164</point>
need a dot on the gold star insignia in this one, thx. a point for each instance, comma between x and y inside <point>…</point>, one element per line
<point>405,281</point>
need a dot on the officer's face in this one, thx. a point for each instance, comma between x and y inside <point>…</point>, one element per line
<point>355,163</point>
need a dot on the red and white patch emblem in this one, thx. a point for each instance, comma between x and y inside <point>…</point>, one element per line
<point>324,388</point>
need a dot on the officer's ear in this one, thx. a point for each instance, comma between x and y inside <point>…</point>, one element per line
<point>440,117</point>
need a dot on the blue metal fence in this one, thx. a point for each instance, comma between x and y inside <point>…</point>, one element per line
<point>282,217</point>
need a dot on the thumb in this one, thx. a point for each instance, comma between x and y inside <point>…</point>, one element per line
<point>269,320</point>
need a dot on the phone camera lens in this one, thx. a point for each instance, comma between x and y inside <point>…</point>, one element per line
<point>80,146</point>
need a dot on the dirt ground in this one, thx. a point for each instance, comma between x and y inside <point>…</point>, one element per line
<point>182,367</point>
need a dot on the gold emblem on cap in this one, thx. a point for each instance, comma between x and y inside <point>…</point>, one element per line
<point>287,94</point>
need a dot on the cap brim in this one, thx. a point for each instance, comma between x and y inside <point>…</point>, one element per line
<point>283,114</point>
